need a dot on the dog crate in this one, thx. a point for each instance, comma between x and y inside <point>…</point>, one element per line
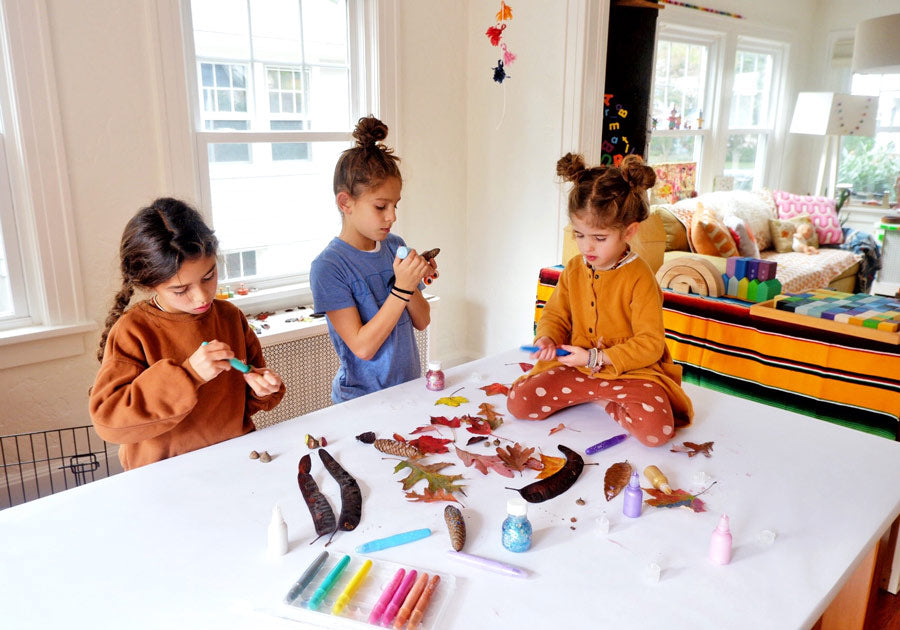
<point>37,464</point>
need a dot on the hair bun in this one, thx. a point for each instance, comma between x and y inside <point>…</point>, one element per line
<point>636,173</point>
<point>570,167</point>
<point>369,131</point>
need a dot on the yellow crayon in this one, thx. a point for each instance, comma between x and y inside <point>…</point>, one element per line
<point>348,592</point>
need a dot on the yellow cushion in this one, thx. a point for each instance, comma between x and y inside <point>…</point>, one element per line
<point>710,236</point>
<point>676,233</point>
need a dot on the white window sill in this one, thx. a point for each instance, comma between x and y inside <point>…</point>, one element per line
<point>274,299</point>
<point>34,344</point>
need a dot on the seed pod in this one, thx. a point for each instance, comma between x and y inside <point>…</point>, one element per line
<point>616,478</point>
<point>366,438</point>
<point>456,526</point>
<point>351,497</point>
<point>558,482</point>
<point>431,253</point>
<point>264,457</point>
<point>393,447</point>
<point>322,514</point>
<point>254,455</point>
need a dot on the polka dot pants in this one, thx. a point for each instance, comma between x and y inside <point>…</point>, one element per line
<point>640,406</point>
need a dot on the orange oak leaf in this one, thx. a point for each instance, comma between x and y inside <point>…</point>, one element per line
<point>495,388</point>
<point>678,498</point>
<point>484,463</point>
<point>431,496</point>
<point>428,445</point>
<point>453,423</point>
<point>551,465</point>
<point>486,410</point>
<point>516,456</point>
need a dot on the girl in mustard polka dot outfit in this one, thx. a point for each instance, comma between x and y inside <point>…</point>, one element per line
<point>606,311</point>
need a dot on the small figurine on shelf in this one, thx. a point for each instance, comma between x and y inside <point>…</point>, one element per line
<point>674,119</point>
<point>802,236</point>
<point>242,289</point>
<point>700,120</point>
<point>655,121</point>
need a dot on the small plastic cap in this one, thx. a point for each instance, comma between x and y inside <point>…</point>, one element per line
<point>402,252</point>
<point>434,366</point>
<point>635,481</point>
<point>516,507</point>
<point>723,525</point>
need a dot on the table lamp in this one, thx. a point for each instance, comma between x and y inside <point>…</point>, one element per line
<point>833,115</point>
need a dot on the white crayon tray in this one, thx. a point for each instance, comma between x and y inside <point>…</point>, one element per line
<point>356,613</point>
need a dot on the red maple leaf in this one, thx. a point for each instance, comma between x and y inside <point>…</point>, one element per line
<point>425,429</point>
<point>453,423</point>
<point>428,445</point>
<point>479,426</point>
<point>495,388</point>
<point>526,366</point>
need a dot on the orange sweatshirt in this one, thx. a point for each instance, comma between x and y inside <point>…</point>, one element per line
<point>147,397</point>
<point>620,311</point>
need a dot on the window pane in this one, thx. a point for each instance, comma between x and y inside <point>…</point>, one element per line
<point>285,217</point>
<point>221,29</point>
<point>289,150</point>
<point>752,90</point>
<point>743,159</point>
<point>325,31</point>
<point>6,299</point>
<point>238,79</point>
<point>679,83</point>
<point>276,30</point>
<point>231,152</point>
<point>223,100</point>
<point>223,77</point>
<point>206,75</point>
<point>665,150</point>
<point>871,166</point>
<point>329,98</point>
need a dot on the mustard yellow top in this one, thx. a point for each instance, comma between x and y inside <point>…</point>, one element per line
<point>619,311</point>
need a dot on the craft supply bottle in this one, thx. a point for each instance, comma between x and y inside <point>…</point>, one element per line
<point>278,534</point>
<point>634,497</point>
<point>657,479</point>
<point>720,543</point>
<point>434,377</point>
<point>517,527</point>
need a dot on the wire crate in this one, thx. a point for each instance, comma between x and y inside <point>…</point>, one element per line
<point>37,464</point>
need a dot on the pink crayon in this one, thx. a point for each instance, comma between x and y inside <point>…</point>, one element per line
<point>402,591</point>
<point>386,596</point>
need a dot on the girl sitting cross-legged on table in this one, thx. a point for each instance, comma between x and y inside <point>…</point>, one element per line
<point>606,311</point>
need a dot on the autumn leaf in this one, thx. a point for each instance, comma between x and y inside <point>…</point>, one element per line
<point>399,437</point>
<point>495,388</point>
<point>505,12</point>
<point>429,496</point>
<point>451,401</point>
<point>476,439</point>
<point>483,463</point>
<point>428,445</point>
<point>430,473</point>
<point>479,426</point>
<point>426,429</point>
<point>692,448</point>
<point>616,478</point>
<point>495,419</point>
<point>516,456</point>
<point>551,465</point>
<point>526,366</point>
<point>678,498</point>
<point>558,427</point>
<point>452,423</point>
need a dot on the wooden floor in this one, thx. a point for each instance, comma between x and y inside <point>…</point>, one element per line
<point>886,612</point>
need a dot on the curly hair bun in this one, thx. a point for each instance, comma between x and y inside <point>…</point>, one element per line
<point>636,173</point>
<point>369,131</point>
<point>570,166</point>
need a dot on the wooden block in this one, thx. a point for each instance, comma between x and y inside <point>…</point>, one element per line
<point>887,331</point>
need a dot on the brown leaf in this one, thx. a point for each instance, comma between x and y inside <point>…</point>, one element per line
<point>678,498</point>
<point>692,448</point>
<point>616,478</point>
<point>431,496</point>
<point>515,456</point>
<point>495,388</point>
<point>494,419</point>
<point>558,427</point>
<point>551,465</point>
<point>483,463</point>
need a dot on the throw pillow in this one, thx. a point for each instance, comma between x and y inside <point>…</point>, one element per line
<point>745,242</point>
<point>822,211</point>
<point>676,232</point>
<point>710,236</point>
<point>783,232</point>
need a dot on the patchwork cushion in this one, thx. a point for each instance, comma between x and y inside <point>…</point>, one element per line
<point>710,236</point>
<point>822,210</point>
<point>746,244</point>
<point>676,231</point>
<point>783,232</point>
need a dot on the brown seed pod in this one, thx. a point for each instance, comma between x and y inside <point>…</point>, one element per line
<point>456,526</point>
<point>321,512</point>
<point>264,457</point>
<point>431,253</point>
<point>351,497</point>
<point>254,455</point>
<point>558,482</point>
<point>366,438</point>
<point>393,447</point>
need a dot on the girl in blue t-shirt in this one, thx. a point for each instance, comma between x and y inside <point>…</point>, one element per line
<point>370,296</point>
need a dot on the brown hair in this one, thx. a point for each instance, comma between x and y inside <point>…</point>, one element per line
<point>614,197</point>
<point>156,241</point>
<point>367,164</point>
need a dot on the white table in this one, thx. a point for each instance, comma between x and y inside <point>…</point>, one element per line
<point>182,543</point>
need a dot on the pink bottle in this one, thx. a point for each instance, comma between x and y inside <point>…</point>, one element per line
<point>720,544</point>
<point>434,377</point>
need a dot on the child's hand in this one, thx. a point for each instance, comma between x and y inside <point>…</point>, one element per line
<point>546,349</point>
<point>577,357</point>
<point>410,271</point>
<point>211,359</point>
<point>263,381</point>
<point>434,272</point>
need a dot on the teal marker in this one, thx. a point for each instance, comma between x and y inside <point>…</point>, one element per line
<point>237,364</point>
<point>327,583</point>
<point>393,541</point>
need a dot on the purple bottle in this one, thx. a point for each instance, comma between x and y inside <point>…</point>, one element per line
<point>634,497</point>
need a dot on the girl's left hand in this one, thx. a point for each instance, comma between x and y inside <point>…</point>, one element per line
<point>263,381</point>
<point>577,357</point>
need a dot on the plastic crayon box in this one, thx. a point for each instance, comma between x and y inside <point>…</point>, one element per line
<point>751,279</point>
<point>858,309</point>
<point>356,612</point>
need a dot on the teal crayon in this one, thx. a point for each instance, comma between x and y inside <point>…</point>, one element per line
<point>328,583</point>
<point>393,541</point>
<point>237,364</point>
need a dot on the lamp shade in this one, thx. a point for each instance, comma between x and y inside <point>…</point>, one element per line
<point>832,114</point>
<point>876,46</point>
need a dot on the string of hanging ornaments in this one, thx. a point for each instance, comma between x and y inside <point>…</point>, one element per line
<point>495,36</point>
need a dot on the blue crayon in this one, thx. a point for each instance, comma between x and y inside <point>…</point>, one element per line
<point>605,444</point>
<point>559,351</point>
<point>393,541</point>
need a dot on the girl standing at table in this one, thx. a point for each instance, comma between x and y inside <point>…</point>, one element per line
<point>162,390</point>
<point>372,298</point>
<point>606,311</point>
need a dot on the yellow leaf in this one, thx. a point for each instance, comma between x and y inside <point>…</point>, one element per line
<point>451,401</point>
<point>551,465</point>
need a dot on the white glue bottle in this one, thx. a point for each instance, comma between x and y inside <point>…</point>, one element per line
<point>278,534</point>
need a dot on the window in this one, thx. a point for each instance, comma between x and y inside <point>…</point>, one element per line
<point>716,111</point>
<point>13,299</point>
<point>279,86</point>
<point>871,166</point>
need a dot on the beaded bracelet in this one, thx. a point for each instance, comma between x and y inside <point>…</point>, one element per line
<point>592,359</point>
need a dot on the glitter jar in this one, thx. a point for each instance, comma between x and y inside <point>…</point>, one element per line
<point>434,377</point>
<point>516,527</point>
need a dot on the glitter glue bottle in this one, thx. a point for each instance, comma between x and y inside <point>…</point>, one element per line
<point>657,479</point>
<point>278,534</point>
<point>634,497</point>
<point>720,543</point>
<point>517,527</point>
<point>434,377</point>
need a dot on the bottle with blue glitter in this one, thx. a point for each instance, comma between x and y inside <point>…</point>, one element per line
<point>517,527</point>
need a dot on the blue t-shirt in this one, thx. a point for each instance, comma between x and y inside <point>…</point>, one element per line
<point>343,276</point>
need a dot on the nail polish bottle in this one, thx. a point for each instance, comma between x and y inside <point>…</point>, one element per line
<point>720,543</point>
<point>634,497</point>
<point>434,377</point>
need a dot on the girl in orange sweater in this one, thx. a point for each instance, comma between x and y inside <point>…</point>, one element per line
<point>166,383</point>
<point>606,311</point>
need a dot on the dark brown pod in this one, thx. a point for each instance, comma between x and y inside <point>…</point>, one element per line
<point>558,482</point>
<point>351,496</point>
<point>456,526</point>
<point>319,508</point>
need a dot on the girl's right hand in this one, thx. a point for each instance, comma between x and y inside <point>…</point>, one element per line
<point>211,359</point>
<point>410,271</point>
<point>546,349</point>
